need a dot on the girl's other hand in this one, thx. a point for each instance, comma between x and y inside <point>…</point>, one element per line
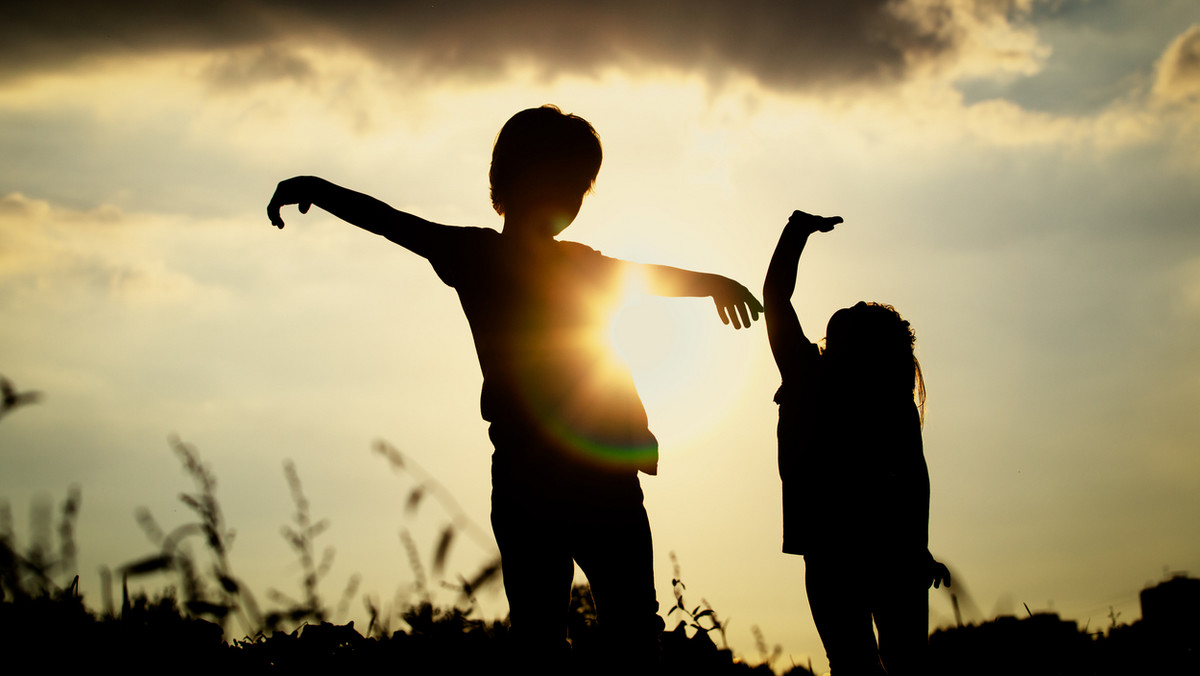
<point>938,573</point>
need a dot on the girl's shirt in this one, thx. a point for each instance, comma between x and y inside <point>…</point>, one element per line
<point>854,477</point>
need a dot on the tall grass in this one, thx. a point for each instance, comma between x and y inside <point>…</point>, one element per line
<point>204,601</point>
<point>43,616</point>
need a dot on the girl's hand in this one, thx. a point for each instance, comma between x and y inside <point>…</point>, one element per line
<point>810,223</point>
<point>938,573</point>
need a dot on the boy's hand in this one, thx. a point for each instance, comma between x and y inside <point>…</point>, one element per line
<point>810,223</point>
<point>291,191</point>
<point>736,303</point>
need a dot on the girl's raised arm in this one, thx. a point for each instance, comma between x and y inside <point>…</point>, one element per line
<point>783,326</point>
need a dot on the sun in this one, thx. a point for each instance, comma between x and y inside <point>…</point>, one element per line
<point>667,343</point>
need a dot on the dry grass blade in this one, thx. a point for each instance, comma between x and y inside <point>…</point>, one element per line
<point>148,565</point>
<point>443,549</point>
<point>414,499</point>
<point>393,456</point>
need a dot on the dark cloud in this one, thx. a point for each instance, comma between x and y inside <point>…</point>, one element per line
<point>37,35</point>
<point>784,43</point>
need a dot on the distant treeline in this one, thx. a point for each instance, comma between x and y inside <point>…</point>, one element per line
<point>1043,644</point>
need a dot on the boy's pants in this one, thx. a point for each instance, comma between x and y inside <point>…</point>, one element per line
<point>544,519</point>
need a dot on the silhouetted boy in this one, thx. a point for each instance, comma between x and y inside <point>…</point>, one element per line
<point>569,430</point>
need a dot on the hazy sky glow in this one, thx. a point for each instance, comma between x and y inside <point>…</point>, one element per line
<point>1018,177</point>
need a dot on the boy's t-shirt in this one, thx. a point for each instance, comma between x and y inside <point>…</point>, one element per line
<point>539,314</point>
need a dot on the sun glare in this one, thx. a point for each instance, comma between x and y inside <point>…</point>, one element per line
<point>636,333</point>
<point>664,342</point>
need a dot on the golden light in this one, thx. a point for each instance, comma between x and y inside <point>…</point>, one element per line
<point>666,342</point>
<point>638,333</point>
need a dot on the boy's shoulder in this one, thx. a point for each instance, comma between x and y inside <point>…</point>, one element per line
<point>482,236</point>
<point>472,233</point>
<point>462,247</point>
<point>578,249</point>
<point>472,251</point>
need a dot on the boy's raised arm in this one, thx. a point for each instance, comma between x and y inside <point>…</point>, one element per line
<point>734,301</point>
<point>783,326</point>
<point>411,232</point>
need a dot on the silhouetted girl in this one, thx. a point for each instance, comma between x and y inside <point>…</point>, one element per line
<point>855,484</point>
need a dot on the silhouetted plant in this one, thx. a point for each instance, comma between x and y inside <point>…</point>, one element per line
<point>10,398</point>
<point>228,596</point>
<point>768,656</point>
<point>32,574</point>
<point>426,485</point>
<point>698,617</point>
<point>301,539</point>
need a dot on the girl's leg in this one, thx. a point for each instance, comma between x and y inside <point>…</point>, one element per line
<point>902,616</point>
<point>837,594</point>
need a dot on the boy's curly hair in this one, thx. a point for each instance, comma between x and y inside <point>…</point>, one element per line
<point>544,154</point>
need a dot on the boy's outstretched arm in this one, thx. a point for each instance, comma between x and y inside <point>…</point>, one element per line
<point>783,326</point>
<point>734,301</point>
<point>411,232</point>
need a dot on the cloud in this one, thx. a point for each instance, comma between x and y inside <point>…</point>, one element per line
<point>270,63</point>
<point>1188,281</point>
<point>52,254</point>
<point>782,43</point>
<point>1178,76</point>
<point>17,206</point>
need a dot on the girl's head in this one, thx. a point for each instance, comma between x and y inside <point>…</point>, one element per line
<point>872,345</point>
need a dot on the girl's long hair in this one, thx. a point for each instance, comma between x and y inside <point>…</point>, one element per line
<point>872,343</point>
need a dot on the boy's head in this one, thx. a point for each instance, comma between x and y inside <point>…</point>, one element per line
<point>542,157</point>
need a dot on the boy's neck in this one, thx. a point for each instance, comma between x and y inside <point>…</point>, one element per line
<point>533,229</point>
<point>539,220</point>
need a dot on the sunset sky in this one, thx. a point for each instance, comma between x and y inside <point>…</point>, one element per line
<point>1020,178</point>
